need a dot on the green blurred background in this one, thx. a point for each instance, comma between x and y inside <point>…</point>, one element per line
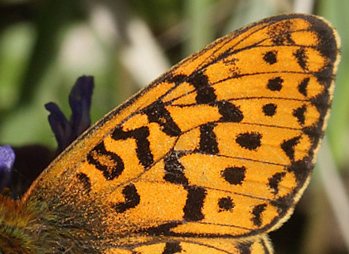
<point>46,45</point>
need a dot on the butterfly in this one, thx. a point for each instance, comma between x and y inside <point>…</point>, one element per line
<point>208,158</point>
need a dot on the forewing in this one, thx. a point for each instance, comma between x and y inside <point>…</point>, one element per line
<point>221,146</point>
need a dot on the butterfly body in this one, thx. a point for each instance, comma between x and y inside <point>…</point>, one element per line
<point>208,158</point>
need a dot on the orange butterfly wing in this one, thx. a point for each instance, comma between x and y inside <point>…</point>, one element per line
<point>210,156</point>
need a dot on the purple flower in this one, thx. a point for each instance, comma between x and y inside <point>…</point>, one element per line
<point>7,159</point>
<point>80,102</point>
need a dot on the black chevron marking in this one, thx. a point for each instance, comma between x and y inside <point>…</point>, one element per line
<point>157,113</point>
<point>143,146</point>
<point>132,199</point>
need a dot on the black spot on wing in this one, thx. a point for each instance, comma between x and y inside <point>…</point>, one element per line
<point>275,84</point>
<point>257,214</point>
<point>303,85</point>
<point>270,57</point>
<point>208,140</point>
<point>299,113</point>
<point>140,135</point>
<point>288,147</point>
<point>249,140</point>
<point>108,162</point>
<point>194,203</point>
<point>269,109</point>
<point>132,199</point>
<point>274,181</point>
<point>234,175</point>
<point>205,92</point>
<point>302,58</point>
<point>225,204</point>
<point>174,170</point>
<point>157,113</point>
<point>229,112</point>
<point>178,79</point>
<point>172,248</point>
